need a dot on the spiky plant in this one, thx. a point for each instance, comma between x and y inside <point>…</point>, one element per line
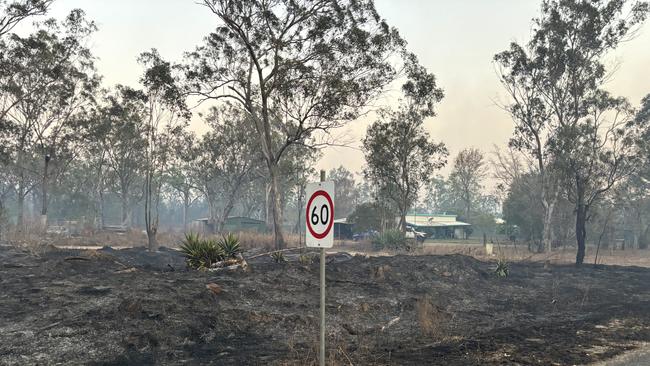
<point>200,253</point>
<point>502,269</point>
<point>278,257</point>
<point>229,245</point>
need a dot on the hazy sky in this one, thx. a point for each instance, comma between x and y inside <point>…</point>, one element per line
<point>455,40</point>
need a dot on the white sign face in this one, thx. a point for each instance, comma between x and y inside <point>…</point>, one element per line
<point>319,215</point>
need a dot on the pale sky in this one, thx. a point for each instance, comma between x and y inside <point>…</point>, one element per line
<point>455,40</point>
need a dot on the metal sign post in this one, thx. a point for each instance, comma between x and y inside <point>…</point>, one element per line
<point>319,234</point>
<point>322,292</point>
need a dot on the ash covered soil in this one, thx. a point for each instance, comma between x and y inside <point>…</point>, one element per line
<point>112,307</point>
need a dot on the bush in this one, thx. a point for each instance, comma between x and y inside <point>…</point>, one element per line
<point>278,257</point>
<point>203,253</point>
<point>502,269</point>
<point>229,245</point>
<point>200,253</point>
<point>391,240</point>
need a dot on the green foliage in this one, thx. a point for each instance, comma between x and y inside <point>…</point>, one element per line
<point>397,181</point>
<point>503,268</point>
<point>391,240</point>
<point>278,257</point>
<point>368,216</point>
<point>200,253</point>
<point>229,246</point>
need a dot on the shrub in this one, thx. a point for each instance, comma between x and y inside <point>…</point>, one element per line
<point>391,240</point>
<point>229,245</point>
<point>306,259</point>
<point>200,253</point>
<point>278,257</point>
<point>502,269</point>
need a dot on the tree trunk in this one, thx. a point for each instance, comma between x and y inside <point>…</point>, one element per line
<point>151,216</point>
<point>402,221</point>
<point>548,227</point>
<point>581,231</point>
<point>125,210</point>
<point>44,188</point>
<point>21,206</point>
<point>276,207</point>
<point>101,210</point>
<point>226,212</point>
<point>186,205</point>
<point>152,241</point>
<point>549,208</point>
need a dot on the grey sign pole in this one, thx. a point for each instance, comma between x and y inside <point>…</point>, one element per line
<point>322,294</point>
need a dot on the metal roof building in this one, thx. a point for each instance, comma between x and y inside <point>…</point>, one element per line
<point>437,225</point>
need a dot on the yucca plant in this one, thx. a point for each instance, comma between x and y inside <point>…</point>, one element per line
<point>502,269</point>
<point>278,257</point>
<point>200,253</point>
<point>229,245</point>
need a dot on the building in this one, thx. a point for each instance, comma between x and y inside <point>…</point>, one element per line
<point>342,229</point>
<point>233,224</point>
<point>437,226</point>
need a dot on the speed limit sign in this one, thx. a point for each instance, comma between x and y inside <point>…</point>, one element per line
<point>319,216</point>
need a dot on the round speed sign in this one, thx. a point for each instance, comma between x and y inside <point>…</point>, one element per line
<point>320,214</point>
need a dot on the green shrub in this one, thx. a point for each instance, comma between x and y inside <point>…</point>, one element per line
<point>229,245</point>
<point>502,269</point>
<point>278,257</point>
<point>200,253</point>
<point>391,240</point>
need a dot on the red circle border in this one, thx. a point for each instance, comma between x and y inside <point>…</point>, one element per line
<point>329,226</point>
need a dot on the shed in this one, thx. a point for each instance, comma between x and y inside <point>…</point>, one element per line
<point>342,229</point>
<point>232,224</point>
<point>437,225</point>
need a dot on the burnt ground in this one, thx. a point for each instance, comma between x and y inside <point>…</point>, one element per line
<point>132,307</point>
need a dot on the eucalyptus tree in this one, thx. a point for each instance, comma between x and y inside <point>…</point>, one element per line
<point>347,196</point>
<point>165,118</point>
<point>14,12</point>
<point>562,116</point>
<point>179,175</point>
<point>51,86</point>
<point>466,178</point>
<point>300,69</point>
<point>225,162</point>
<point>118,143</point>
<point>401,158</point>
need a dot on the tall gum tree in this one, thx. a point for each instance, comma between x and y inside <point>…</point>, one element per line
<point>312,65</point>
<point>52,84</point>
<point>165,118</point>
<point>555,82</point>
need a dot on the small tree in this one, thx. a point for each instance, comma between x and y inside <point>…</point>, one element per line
<point>466,178</point>
<point>346,191</point>
<point>225,161</point>
<point>400,158</point>
<point>165,118</point>
<point>179,175</point>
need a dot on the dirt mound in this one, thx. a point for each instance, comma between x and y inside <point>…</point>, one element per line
<point>127,307</point>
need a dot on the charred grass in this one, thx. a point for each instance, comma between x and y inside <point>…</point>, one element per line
<point>114,307</point>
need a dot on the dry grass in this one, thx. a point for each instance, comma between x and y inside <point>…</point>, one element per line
<point>430,319</point>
